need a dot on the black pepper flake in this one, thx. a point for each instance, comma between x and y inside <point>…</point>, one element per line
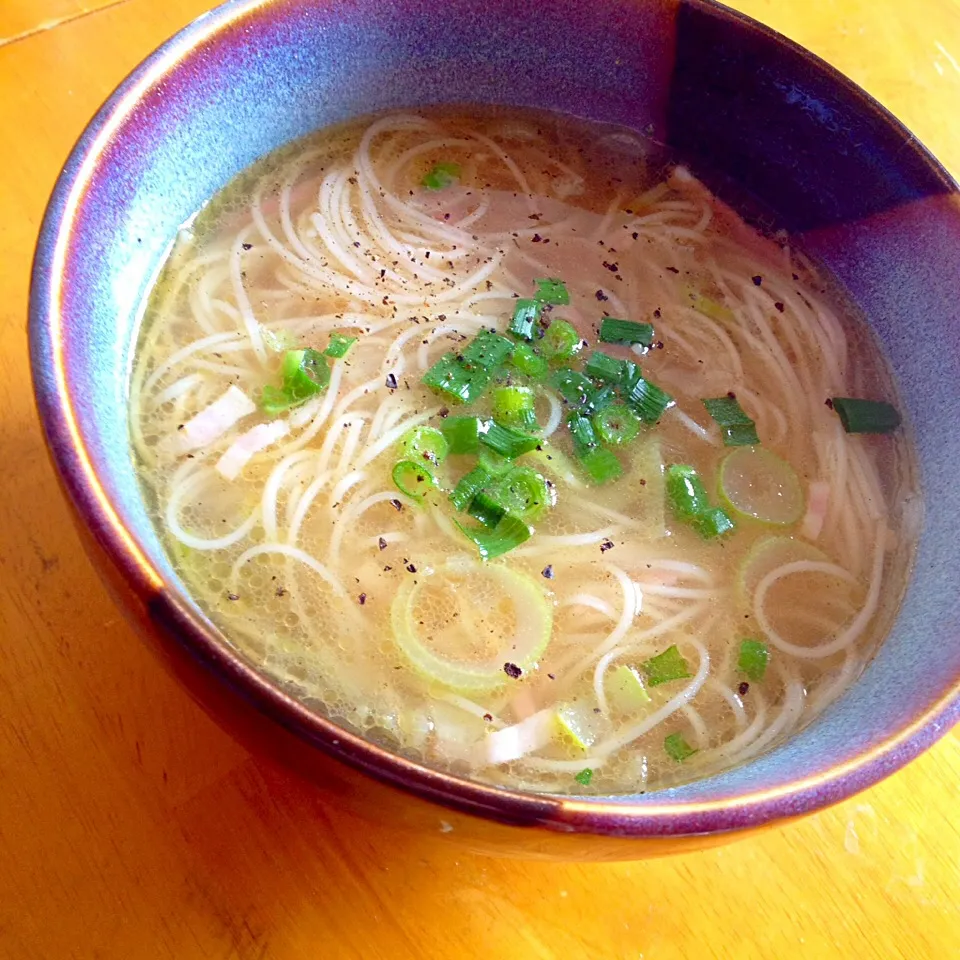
<point>601,296</point>
<point>636,236</point>
<point>512,670</point>
<point>488,717</point>
<point>779,306</point>
<point>536,238</point>
<point>232,596</point>
<point>547,571</point>
<point>411,567</point>
<point>247,246</point>
<point>673,269</point>
<point>643,482</point>
<point>362,599</point>
<point>612,267</point>
<point>743,688</point>
<point>391,381</point>
<point>382,544</point>
<point>656,314</point>
<point>443,412</point>
<point>551,676</point>
<point>606,545</point>
<point>396,504</point>
<point>829,403</point>
<point>281,591</point>
<point>757,280</point>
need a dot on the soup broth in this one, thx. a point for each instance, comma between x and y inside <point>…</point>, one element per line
<point>496,437</point>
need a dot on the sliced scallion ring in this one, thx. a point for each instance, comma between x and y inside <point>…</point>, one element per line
<point>756,483</point>
<point>413,479</point>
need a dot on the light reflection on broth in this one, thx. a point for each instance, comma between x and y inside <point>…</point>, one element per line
<point>616,647</point>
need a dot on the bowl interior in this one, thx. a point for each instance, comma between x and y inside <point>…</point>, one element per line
<point>728,96</point>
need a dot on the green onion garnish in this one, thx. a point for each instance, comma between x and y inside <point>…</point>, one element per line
<point>866,416</point>
<point>601,465</point>
<point>574,387</point>
<point>506,441</point>
<point>753,659</point>
<point>426,443</point>
<point>462,434</point>
<point>677,748</point>
<point>486,351</point>
<point>339,345</point>
<point>509,533</point>
<point>305,373</point>
<point>713,523</point>
<point>442,175</point>
<point>625,331</point>
<point>561,341</point>
<point>616,424</point>
<point>584,436</point>
<point>665,667</point>
<point>514,406</point>
<point>494,463</point>
<point>485,509</point>
<point>646,399</point>
<point>584,777</point>
<point>737,428</point>
<point>601,366</point>
<point>552,291</point>
<point>451,378</point>
<point>413,479</point>
<point>686,493</point>
<point>469,486</point>
<point>522,492</point>
<point>526,313</point>
<point>528,361</point>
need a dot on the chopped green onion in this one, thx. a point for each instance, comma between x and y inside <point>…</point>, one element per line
<point>462,434</point>
<point>514,406</point>
<point>713,523</point>
<point>522,492</point>
<point>616,424</point>
<point>528,361</point>
<point>677,748</point>
<point>574,387</point>
<point>494,463</point>
<point>339,345</point>
<point>413,479</point>
<point>646,399</point>
<point>738,429</point>
<point>451,378</point>
<point>526,313</point>
<point>726,411</point>
<point>486,351</point>
<point>561,341</point>
<point>665,667</point>
<point>686,493</point>
<point>442,175</point>
<point>625,331</point>
<point>584,777</point>
<point>426,443</point>
<point>603,398</point>
<point>305,372</point>
<point>552,291</point>
<point>485,509</point>
<point>711,308</point>
<point>740,435</point>
<point>753,659</point>
<point>601,465</point>
<point>866,416</point>
<point>506,441</point>
<point>508,534</point>
<point>584,436</point>
<point>601,366</point>
<point>468,487</point>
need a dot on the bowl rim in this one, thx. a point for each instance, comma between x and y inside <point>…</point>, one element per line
<point>604,816</point>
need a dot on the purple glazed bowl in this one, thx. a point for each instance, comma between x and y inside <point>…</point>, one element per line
<point>733,99</point>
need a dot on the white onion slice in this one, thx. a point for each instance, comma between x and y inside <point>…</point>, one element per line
<point>514,742</point>
<point>246,445</point>
<point>214,421</point>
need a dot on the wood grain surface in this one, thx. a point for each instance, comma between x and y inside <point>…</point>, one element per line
<point>131,827</point>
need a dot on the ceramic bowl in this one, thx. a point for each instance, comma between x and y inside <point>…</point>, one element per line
<point>740,104</point>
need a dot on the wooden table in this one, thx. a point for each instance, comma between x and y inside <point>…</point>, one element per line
<point>131,827</point>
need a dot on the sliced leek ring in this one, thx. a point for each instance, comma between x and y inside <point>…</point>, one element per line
<point>756,483</point>
<point>469,587</point>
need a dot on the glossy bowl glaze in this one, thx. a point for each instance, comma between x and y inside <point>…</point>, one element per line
<point>731,97</point>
